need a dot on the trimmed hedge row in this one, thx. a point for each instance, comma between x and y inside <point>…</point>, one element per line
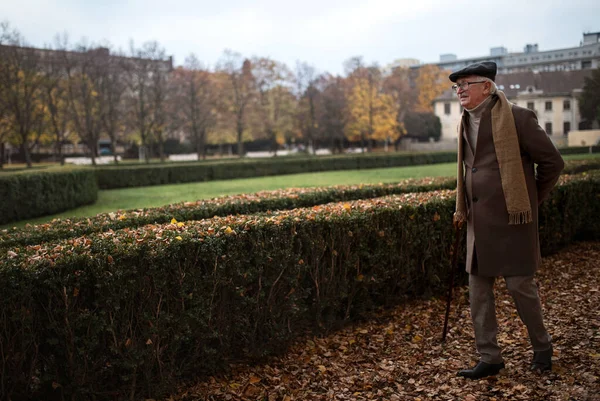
<point>239,204</point>
<point>152,174</point>
<point>146,175</point>
<point>574,150</point>
<point>25,195</point>
<point>126,314</point>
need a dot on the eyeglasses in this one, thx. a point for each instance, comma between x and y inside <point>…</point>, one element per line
<point>465,85</point>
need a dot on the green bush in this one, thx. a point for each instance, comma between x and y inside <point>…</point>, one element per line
<point>202,209</point>
<point>576,150</point>
<point>145,175</point>
<point>31,194</point>
<point>239,204</point>
<point>128,313</point>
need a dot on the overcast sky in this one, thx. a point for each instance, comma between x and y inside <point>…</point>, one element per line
<point>323,33</point>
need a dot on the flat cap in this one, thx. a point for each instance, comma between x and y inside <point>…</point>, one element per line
<point>486,69</point>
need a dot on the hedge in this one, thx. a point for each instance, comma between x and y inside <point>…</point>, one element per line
<point>128,313</point>
<point>238,204</point>
<point>26,195</point>
<point>171,173</point>
<point>144,175</point>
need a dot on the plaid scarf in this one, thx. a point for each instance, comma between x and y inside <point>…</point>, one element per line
<point>506,144</point>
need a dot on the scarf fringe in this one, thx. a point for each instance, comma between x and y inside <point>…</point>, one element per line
<point>520,217</point>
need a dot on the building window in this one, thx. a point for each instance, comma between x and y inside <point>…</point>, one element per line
<point>566,105</point>
<point>586,64</point>
<point>566,127</point>
<point>548,106</point>
<point>530,105</point>
<point>447,108</point>
<point>549,128</point>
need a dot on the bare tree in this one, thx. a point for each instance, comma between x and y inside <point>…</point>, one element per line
<point>56,96</point>
<point>274,82</point>
<point>241,90</point>
<point>158,95</point>
<point>146,75</point>
<point>194,102</point>
<point>333,115</point>
<point>306,81</point>
<point>82,68</point>
<point>111,93</point>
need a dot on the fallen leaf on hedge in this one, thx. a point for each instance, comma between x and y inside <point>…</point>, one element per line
<point>179,238</point>
<point>149,342</point>
<point>173,221</point>
<point>254,379</point>
<point>11,254</point>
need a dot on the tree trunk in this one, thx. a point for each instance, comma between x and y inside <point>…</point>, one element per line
<point>161,147</point>
<point>2,150</point>
<point>113,148</point>
<point>25,150</point>
<point>201,146</point>
<point>58,152</point>
<point>240,131</point>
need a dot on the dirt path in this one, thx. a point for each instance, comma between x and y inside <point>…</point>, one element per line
<point>398,355</point>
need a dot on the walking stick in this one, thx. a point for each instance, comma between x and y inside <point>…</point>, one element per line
<point>452,274</point>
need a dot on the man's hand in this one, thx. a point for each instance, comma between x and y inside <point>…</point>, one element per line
<point>457,222</point>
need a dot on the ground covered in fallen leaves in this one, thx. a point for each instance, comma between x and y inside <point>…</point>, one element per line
<point>398,354</point>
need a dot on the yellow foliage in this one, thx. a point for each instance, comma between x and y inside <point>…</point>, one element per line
<point>431,83</point>
<point>372,113</point>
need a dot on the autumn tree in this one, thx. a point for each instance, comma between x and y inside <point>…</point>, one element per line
<point>275,101</point>
<point>82,68</point>
<point>21,91</point>
<point>431,82</point>
<point>55,89</point>
<point>372,113</point>
<point>240,90</point>
<point>589,100</point>
<point>194,102</point>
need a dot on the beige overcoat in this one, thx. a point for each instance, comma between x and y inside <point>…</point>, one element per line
<point>495,248</point>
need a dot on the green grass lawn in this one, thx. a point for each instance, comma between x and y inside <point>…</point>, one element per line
<point>143,197</point>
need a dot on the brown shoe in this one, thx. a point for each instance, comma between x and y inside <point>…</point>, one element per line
<point>481,370</point>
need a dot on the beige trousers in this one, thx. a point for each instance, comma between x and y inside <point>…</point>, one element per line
<point>483,313</point>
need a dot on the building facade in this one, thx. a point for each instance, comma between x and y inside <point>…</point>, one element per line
<point>554,96</point>
<point>584,56</point>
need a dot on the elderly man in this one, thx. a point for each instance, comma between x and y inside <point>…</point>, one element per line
<point>498,194</point>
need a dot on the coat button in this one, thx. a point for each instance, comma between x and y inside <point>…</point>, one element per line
<point>474,169</point>
<point>475,200</point>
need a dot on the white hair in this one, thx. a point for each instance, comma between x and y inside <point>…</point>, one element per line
<point>493,88</point>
